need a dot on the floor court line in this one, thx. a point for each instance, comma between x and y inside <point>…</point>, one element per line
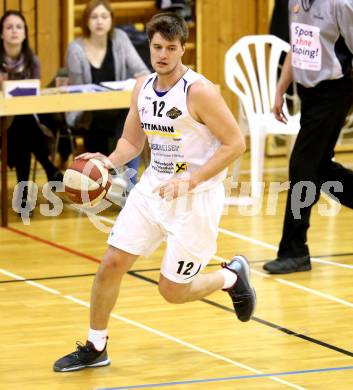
<point>275,248</point>
<point>218,259</point>
<point>239,236</point>
<point>136,274</point>
<point>258,242</point>
<point>261,321</point>
<point>231,378</point>
<point>296,285</point>
<point>262,274</point>
<point>315,292</point>
<point>48,278</point>
<point>278,169</point>
<point>53,244</point>
<point>30,282</point>
<point>157,332</point>
<point>189,345</point>
<point>232,234</point>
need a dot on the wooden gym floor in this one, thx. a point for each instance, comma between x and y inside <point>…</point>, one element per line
<point>300,338</point>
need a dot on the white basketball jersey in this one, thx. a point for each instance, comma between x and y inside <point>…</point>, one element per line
<point>179,144</point>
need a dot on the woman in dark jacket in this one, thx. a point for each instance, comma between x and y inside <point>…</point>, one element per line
<point>18,62</point>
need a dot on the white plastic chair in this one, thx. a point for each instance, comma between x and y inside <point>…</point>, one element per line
<point>251,72</point>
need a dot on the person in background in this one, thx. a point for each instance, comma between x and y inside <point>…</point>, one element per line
<point>280,28</point>
<point>25,136</point>
<point>180,197</point>
<point>320,62</point>
<point>279,20</point>
<point>181,7</point>
<point>103,53</point>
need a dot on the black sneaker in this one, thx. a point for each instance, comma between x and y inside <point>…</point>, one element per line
<point>287,265</point>
<point>85,356</point>
<point>242,294</point>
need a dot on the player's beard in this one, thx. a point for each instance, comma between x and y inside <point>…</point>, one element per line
<point>166,72</point>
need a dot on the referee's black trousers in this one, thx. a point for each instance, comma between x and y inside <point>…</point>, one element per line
<point>323,111</point>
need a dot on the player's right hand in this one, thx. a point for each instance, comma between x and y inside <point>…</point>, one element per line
<point>98,156</point>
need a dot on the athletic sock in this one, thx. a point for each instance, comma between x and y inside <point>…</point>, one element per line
<point>98,338</point>
<point>229,278</point>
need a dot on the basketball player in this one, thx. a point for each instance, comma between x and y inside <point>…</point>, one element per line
<point>193,138</point>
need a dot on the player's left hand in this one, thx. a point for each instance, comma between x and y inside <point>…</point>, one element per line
<point>174,188</point>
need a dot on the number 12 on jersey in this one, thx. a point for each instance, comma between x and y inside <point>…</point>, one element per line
<point>158,108</point>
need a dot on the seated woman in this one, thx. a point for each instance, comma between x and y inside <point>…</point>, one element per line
<point>18,62</point>
<point>103,54</point>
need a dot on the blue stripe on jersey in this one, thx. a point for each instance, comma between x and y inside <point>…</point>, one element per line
<point>185,84</point>
<point>148,82</point>
<point>160,94</point>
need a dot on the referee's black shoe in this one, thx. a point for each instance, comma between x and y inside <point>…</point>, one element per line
<point>242,293</point>
<point>85,356</point>
<point>287,265</point>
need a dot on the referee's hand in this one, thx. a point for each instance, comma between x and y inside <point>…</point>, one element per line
<point>278,109</point>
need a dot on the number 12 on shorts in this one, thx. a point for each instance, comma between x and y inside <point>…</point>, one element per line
<point>184,267</point>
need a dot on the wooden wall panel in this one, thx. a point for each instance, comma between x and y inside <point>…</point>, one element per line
<point>48,37</point>
<point>67,25</point>
<point>262,13</point>
<point>28,8</point>
<point>271,4</point>
<point>219,25</point>
<point>44,31</point>
<point>13,4</point>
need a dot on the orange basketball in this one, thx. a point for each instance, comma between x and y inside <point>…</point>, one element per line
<point>86,182</point>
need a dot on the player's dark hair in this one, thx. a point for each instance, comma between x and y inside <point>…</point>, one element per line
<point>26,51</point>
<point>169,25</point>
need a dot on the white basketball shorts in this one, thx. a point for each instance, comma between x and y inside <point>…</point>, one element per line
<point>189,224</point>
